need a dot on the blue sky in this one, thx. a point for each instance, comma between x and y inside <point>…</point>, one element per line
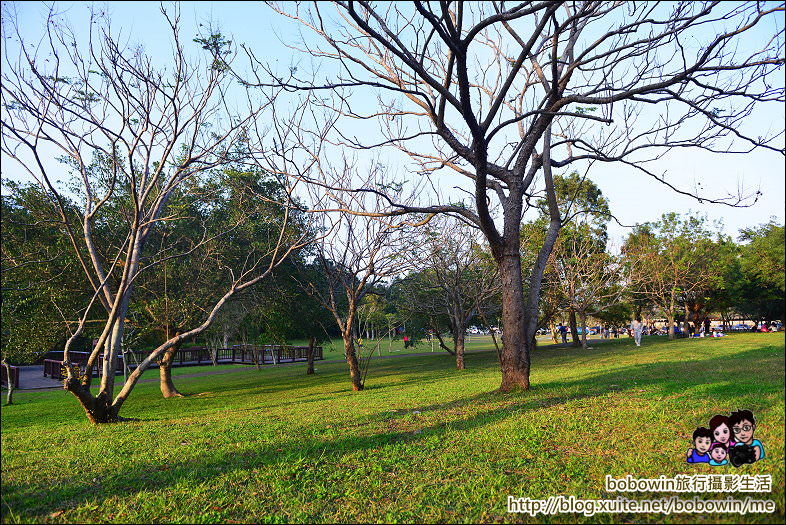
<point>633,197</point>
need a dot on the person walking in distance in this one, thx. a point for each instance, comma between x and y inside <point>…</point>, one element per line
<point>637,327</point>
<point>563,332</point>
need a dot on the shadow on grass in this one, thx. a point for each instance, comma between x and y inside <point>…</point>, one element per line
<point>429,372</point>
<point>744,373</point>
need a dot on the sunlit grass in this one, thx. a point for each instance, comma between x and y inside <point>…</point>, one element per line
<point>423,443</point>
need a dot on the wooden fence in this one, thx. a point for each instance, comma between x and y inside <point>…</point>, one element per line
<point>14,376</point>
<point>192,356</point>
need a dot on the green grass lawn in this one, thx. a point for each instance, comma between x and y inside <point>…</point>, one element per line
<point>424,442</point>
<point>334,349</point>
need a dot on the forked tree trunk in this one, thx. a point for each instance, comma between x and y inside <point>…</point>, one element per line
<point>168,388</point>
<point>310,356</point>
<point>98,409</point>
<point>101,410</point>
<point>516,346</point>
<point>352,361</point>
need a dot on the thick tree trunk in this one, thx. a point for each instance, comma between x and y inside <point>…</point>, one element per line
<point>670,320</point>
<point>458,344</point>
<point>515,345</point>
<point>352,361</point>
<point>100,410</point>
<point>310,356</point>
<point>574,328</point>
<point>168,388</point>
<point>553,333</point>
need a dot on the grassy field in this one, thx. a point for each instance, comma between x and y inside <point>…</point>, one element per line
<point>334,349</point>
<point>423,443</point>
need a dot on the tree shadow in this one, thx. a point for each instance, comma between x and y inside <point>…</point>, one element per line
<point>303,452</point>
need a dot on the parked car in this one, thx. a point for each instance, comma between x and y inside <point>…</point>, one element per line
<point>740,328</point>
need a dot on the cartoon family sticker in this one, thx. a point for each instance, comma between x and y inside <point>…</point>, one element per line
<point>728,440</point>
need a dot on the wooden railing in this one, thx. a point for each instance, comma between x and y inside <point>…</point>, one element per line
<point>14,376</point>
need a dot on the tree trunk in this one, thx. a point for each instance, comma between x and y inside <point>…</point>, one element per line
<point>553,333</point>
<point>574,328</point>
<point>99,408</point>
<point>352,361</point>
<point>670,320</point>
<point>111,351</point>
<point>442,344</point>
<point>10,382</point>
<point>458,344</point>
<point>168,388</point>
<point>583,330</point>
<point>516,345</point>
<point>310,356</point>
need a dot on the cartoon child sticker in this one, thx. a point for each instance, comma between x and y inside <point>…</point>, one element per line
<point>721,430</point>
<point>743,426</point>
<point>718,454</point>
<point>702,440</point>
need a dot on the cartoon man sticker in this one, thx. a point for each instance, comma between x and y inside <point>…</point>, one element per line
<point>702,440</point>
<point>743,425</point>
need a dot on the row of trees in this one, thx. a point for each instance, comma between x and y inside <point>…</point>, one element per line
<point>192,171</point>
<point>373,282</point>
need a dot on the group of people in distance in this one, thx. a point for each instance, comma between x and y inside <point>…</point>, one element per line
<point>729,439</point>
<point>637,329</point>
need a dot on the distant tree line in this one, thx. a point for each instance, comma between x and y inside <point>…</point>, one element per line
<point>677,268</point>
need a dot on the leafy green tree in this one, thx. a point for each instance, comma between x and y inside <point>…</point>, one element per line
<point>223,217</point>
<point>579,259</point>
<point>714,292</point>
<point>42,285</point>
<point>672,260</point>
<point>760,278</point>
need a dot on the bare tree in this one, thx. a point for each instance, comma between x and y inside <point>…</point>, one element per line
<point>592,280</point>
<point>133,134</point>
<point>455,280</point>
<point>499,95</point>
<point>356,252</point>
